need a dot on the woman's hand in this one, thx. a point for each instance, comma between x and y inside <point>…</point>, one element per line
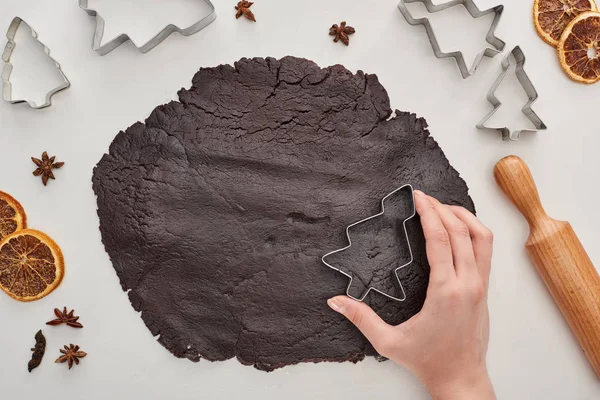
<point>444,345</point>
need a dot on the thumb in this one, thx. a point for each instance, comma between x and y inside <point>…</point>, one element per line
<point>376,330</point>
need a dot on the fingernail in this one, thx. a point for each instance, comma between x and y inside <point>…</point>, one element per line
<point>419,193</point>
<point>336,305</point>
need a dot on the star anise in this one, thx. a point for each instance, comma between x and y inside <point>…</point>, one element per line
<point>62,317</point>
<point>45,167</point>
<point>243,8</point>
<point>71,354</point>
<point>341,32</point>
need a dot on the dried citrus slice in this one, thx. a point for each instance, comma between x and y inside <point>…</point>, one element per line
<point>551,17</point>
<point>12,215</point>
<point>579,48</point>
<point>31,265</point>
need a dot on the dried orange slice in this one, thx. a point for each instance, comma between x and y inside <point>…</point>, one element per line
<point>12,215</point>
<point>551,17</point>
<point>579,48</point>
<point>31,265</point>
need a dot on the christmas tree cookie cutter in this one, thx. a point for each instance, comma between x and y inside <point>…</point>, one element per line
<point>532,94</point>
<point>466,72</point>
<point>8,67</point>
<point>401,298</point>
<point>152,43</point>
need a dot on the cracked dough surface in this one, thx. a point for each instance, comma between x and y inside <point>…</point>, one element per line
<point>216,211</point>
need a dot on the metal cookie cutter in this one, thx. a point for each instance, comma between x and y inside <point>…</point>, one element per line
<point>457,55</point>
<point>414,212</point>
<point>532,94</point>
<point>152,43</point>
<point>8,67</point>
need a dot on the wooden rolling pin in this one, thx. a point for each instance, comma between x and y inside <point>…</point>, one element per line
<point>559,257</point>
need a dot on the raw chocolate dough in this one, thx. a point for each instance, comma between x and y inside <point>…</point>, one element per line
<point>216,211</point>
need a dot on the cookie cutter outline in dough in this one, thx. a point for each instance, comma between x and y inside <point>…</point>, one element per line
<point>395,272</point>
<point>458,55</point>
<point>150,44</point>
<point>532,94</point>
<point>8,67</point>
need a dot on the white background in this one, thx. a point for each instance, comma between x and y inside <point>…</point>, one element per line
<point>532,352</point>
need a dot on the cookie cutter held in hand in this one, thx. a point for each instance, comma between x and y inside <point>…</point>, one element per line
<point>8,67</point>
<point>457,55</point>
<point>527,85</point>
<point>152,43</point>
<point>396,270</point>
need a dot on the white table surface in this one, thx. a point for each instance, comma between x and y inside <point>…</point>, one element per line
<point>532,352</point>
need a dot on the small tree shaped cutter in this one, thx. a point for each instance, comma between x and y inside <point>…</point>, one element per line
<point>8,67</point>
<point>508,135</point>
<point>396,270</point>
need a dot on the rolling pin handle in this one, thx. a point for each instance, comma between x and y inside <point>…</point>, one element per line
<point>515,179</point>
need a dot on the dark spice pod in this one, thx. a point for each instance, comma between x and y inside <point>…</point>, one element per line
<point>38,351</point>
